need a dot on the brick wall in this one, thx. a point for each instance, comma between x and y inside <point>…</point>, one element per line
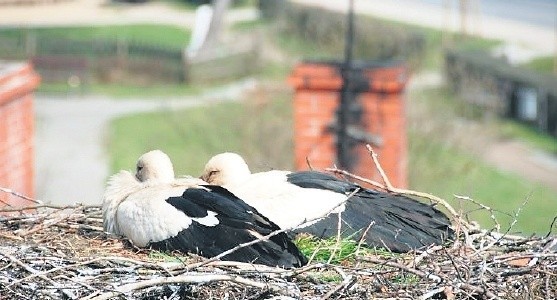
<point>17,82</point>
<point>381,97</point>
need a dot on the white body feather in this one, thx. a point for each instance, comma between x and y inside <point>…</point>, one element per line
<point>286,204</point>
<point>152,208</point>
<point>138,210</point>
<point>120,186</point>
<point>274,197</point>
<point>146,217</point>
<point>400,223</point>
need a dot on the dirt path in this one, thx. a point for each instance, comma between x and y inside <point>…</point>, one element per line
<point>510,156</point>
<point>516,157</point>
<point>71,162</point>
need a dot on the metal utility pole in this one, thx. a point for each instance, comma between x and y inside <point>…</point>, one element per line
<point>464,17</point>
<point>555,45</point>
<point>446,33</point>
<point>346,96</point>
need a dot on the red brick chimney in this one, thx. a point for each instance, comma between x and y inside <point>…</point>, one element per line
<point>379,94</point>
<point>17,82</point>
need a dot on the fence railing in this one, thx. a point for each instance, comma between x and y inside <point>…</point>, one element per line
<point>496,86</point>
<point>56,58</point>
<point>121,60</point>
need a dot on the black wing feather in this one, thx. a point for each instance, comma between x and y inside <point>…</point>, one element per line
<point>400,223</point>
<point>236,220</point>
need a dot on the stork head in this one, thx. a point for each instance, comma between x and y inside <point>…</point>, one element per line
<point>225,169</point>
<point>154,166</point>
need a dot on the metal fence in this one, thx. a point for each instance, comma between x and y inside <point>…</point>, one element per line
<point>496,86</point>
<point>59,58</point>
<point>125,61</point>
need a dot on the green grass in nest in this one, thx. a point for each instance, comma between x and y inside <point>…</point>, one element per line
<point>335,251</point>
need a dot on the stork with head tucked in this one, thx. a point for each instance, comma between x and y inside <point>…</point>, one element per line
<point>381,219</point>
<point>153,209</point>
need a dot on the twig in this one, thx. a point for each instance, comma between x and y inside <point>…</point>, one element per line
<point>359,178</point>
<point>44,225</point>
<point>51,206</point>
<point>386,180</point>
<point>456,216</point>
<point>88,262</point>
<point>346,283</point>
<point>192,278</point>
<point>489,209</point>
<point>427,252</point>
<point>80,226</point>
<point>363,238</point>
<point>401,267</point>
<point>477,289</point>
<point>10,191</point>
<point>11,237</point>
<point>432,293</point>
<point>267,237</point>
<point>337,243</point>
<point>33,271</point>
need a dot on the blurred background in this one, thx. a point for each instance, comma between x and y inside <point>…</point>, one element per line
<point>458,97</point>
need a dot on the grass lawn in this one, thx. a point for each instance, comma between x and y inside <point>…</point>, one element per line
<point>189,137</point>
<point>445,172</point>
<point>541,64</point>
<point>530,135</point>
<point>262,132</point>
<point>192,136</point>
<point>443,162</point>
<point>162,35</point>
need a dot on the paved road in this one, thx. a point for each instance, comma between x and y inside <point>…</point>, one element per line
<point>516,31</point>
<point>527,23</point>
<point>70,159</point>
<point>534,12</point>
<point>98,12</point>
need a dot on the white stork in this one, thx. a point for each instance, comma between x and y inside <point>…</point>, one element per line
<point>381,219</point>
<point>153,209</point>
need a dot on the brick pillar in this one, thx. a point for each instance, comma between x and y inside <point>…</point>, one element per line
<point>312,116</point>
<point>17,83</point>
<point>379,94</point>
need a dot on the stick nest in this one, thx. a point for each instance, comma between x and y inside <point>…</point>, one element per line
<point>63,253</point>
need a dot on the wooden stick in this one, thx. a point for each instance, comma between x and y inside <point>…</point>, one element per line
<point>45,224</point>
<point>456,216</point>
<point>267,237</point>
<point>402,267</point>
<point>386,180</point>
<point>60,207</point>
<point>191,278</point>
<point>337,243</point>
<point>10,191</point>
<point>346,283</point>
<point>33,271</point>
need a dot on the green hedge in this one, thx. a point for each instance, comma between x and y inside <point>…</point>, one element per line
<point>374,40</point>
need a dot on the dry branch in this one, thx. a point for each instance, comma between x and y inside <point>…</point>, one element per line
<point>457,218</point>
<point>67,255</point>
